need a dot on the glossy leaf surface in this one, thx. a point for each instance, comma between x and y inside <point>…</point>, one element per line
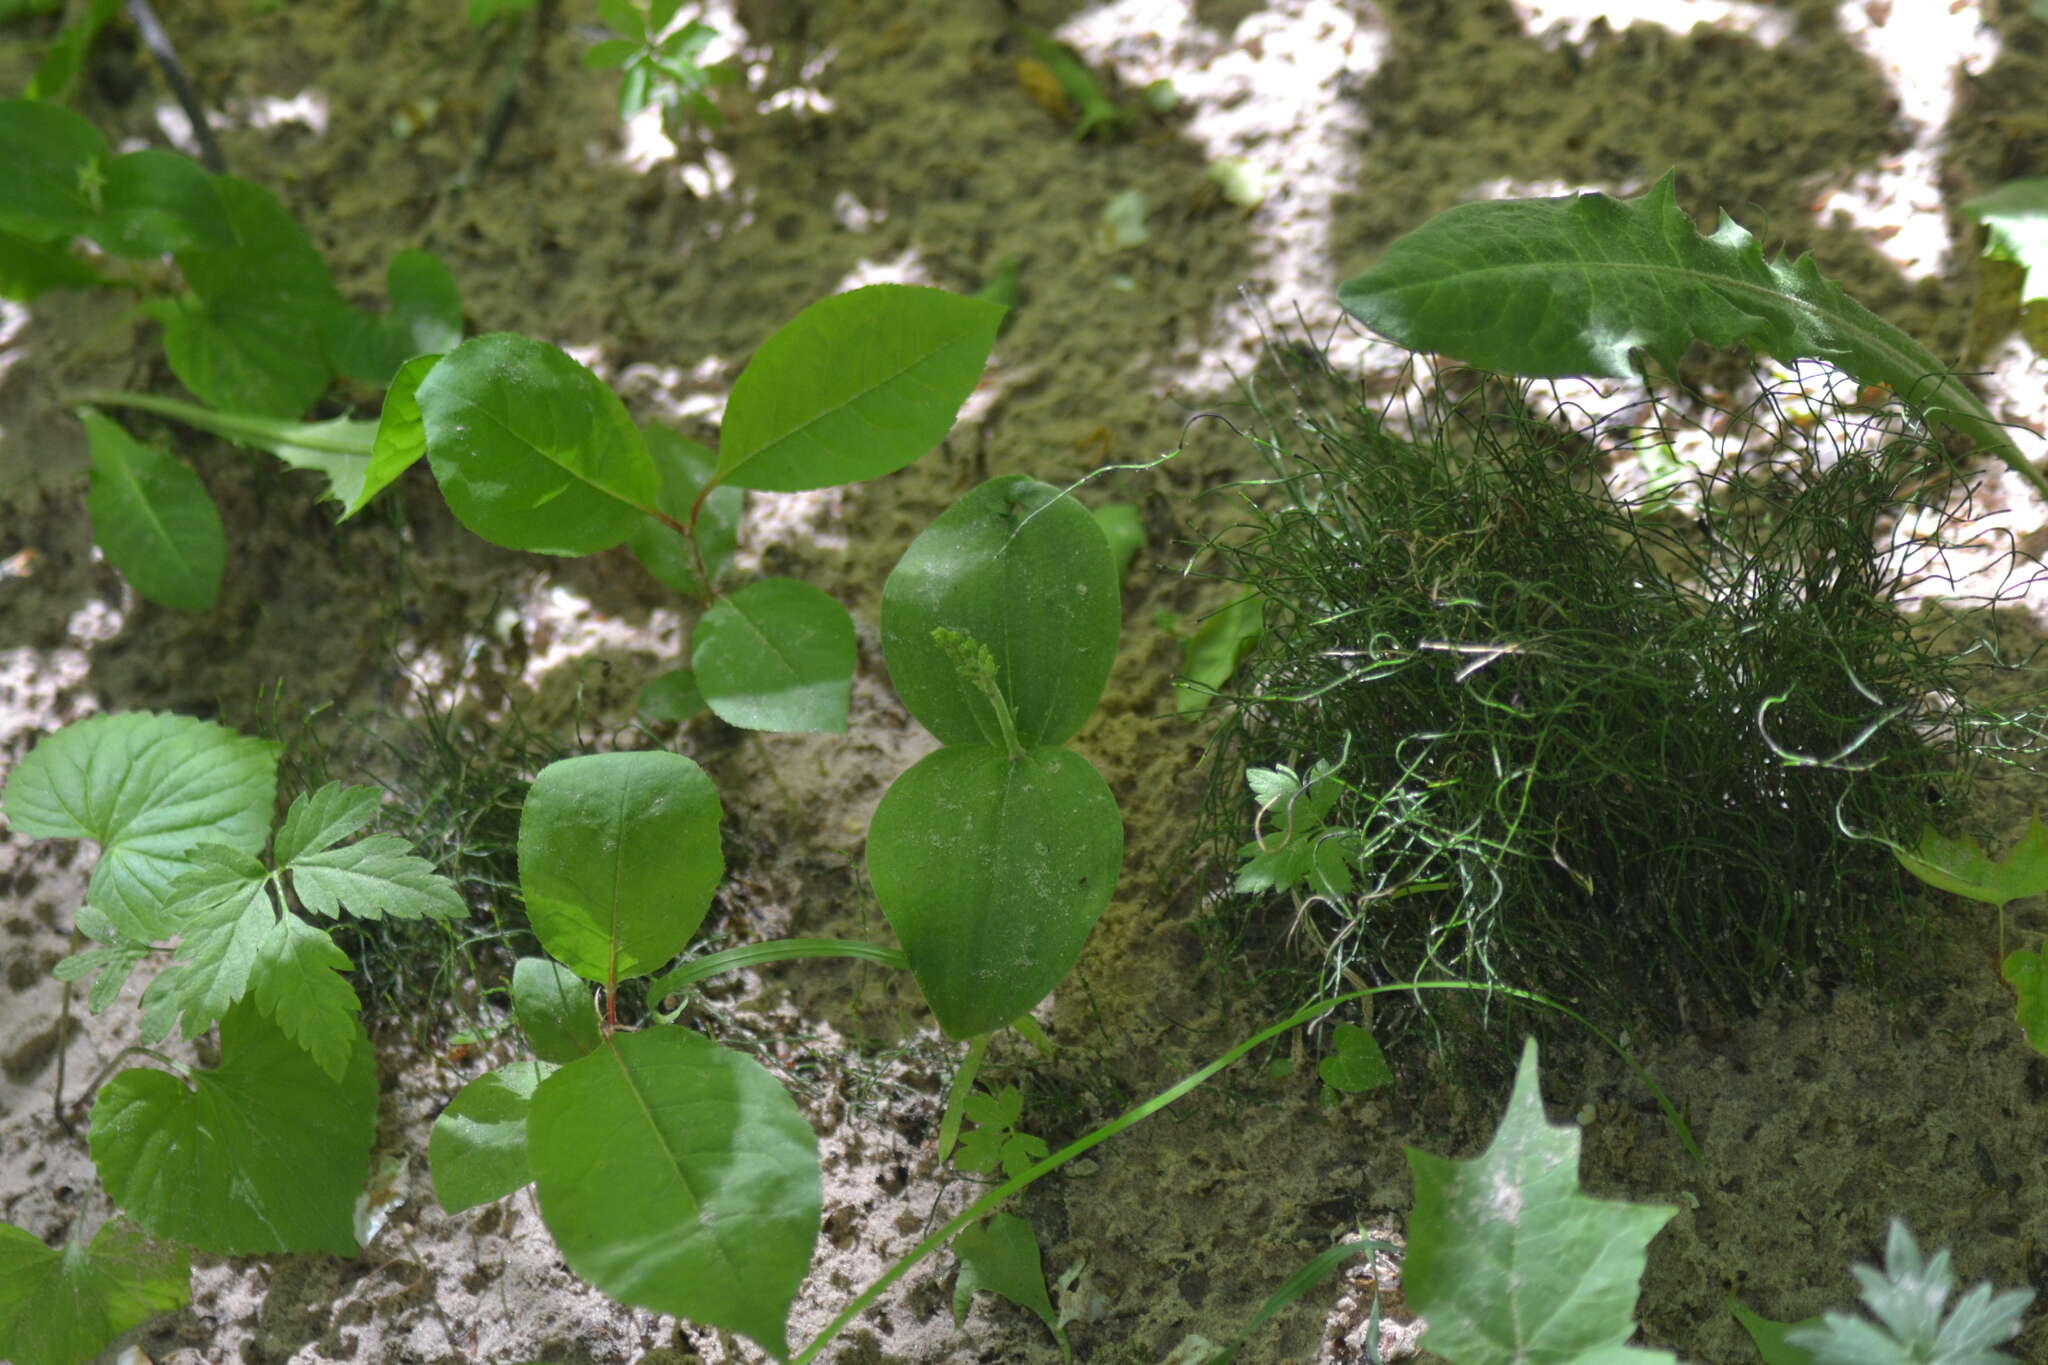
<point>678,1176</point>
<point>992,872</point>
<point>1026,573</point>
<point>776,655</point>
<point>266,1153</point>
<point>618,856</point>
<point>532,450</point>
<point>854,387</point>
<point>153,519</point>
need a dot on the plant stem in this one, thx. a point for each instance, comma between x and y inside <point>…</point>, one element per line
<point>957,1092</point>
<point>774,950</point>
<point>989,1202</point>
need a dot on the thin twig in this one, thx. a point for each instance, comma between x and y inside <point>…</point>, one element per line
<point>159,44</point>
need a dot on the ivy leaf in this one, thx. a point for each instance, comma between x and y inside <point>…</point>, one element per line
<point>1510,1264</point>
<point>1576,285</point>
<point>265,1153</point>
<point>62,1306</point>
<point>1001,1257</point>
<point>147,788</point>
<point>1960,865</point>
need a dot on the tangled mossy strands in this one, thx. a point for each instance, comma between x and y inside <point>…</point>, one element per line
<point>1627,744</point>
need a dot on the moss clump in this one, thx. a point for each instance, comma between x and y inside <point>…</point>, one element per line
<point>1635,757</point>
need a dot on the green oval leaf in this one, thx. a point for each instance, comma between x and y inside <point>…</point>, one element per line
<point>618,857</point>
<point>264,1154</point>
<point>53,157</point>
<point>158,202</point>
<point>153,519</point>
<point>992,872</point>
<point>678,1176</point>
<point>401,437</point>
<point>1574,285</point>
<point>854,387</point>
<point>1028,574</point>
<point>533,451</point>
<point>478,1147</point>
<point>557,1012</point>
<point>776,655</point>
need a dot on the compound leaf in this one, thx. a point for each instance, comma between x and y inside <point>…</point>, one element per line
<point>1960,866</point>
<point>1027,573</point>
<point>147,788</point>
<point>266,1153</point>
<point>374,878</point>
<point>1575,285</point>
<point>854,387</point>
<point>478,1146</point>
<point>153,519</point>
<point>62,1306</point>
<point>1510,1264</point>
<point>533,451</point>
<point>556,1010</point>
<point>722,1172</point>
<point>618,857</point>
<point>992,872</point>
<point>777,655</point>
<point>1001,1257</point>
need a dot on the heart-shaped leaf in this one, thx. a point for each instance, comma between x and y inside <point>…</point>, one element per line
<point>618,857</point>
<point>266,1153</point>
<point>992,871</point>
<point>532,450</point>
<point>678,1176</point>
<point>1025,572</point>
<point>1355,1063</point>
<point>776,655</point>
<point>854,387</point>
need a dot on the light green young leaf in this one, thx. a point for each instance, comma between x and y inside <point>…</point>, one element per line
<point>320,819</point>
<point>532,450</point>
<point>1212,655</point>
<point>478,1147</point>
<point>298,983</point>
<point>153,519</point>
<point>247,338</point>
<point>266,1153</point>
<point>374,878</point>
<point>556,1010</point>
<point>685,468</point>
<point>58,1307</point>
<point>1907,1298</point>
<point>776,655</point>
<point>400,440</point>
<point>618,857</point>
<point>992,872</point>
<point>55,161</point>
<point>1960,865</point>
<point>425,319</point>
<point>722,1170</point>
<point>1510,1264</point>
<point>2027,973</point>
<point>1355,1064</point>
<point>109,969</point>
<point>854,387</point>
<point>147,788</point>
<point>222,906</point>
<point>157,202</point>
<point>1576,285</point>
<point>2016,214</point>
<point>1001,1257</point>
<point>1124,532</point>
<point>1025,572</point>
